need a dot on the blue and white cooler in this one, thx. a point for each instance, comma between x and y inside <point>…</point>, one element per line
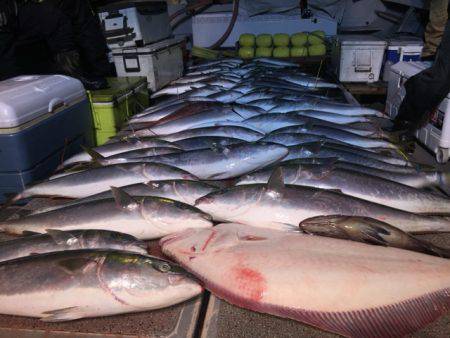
<point>43,119</point>
<point>401,49</point>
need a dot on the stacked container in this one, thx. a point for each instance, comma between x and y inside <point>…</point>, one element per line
<point>112,107</point>
<point>138,32</point>
<point>43,119</point>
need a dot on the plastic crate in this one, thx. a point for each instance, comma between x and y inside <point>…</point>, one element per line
<point>112,107</point>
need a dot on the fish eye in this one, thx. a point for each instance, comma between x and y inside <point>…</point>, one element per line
<point>163,267</point>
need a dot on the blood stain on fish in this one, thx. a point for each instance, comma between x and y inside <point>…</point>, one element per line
<point>250,283</point>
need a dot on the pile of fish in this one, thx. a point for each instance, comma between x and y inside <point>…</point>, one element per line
<point>295,175</point>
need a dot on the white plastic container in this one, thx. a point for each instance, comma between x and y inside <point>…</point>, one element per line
<point>401,49</point>
<point>135,23</point>
<point>436,134</point>
<point>358,58</point>
<point>209,27</point>
<point>161,62</point>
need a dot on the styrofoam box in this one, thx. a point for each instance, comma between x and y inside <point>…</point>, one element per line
<point>436,134</point>
<point>209,27</point>
<point>358,58</point>
<point>135,26</point>
<point>160,62</point>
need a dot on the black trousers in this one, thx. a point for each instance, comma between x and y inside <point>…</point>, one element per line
<point>426,90</point>
<point>41,25</point>
<point>48,28</point>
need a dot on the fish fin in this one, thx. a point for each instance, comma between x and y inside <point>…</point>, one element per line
<point>123,200</point>
<point>372,235</point>
<point>276,180</point>
<point>73,266</point>
<point>96,157</point>
<point>62,315</point>
<point>61,237</point>
<point>30,233</point>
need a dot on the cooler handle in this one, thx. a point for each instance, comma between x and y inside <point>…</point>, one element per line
<point>55,104</point>
<point>131,64</point>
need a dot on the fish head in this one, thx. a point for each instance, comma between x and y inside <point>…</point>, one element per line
<point>329,226</point>
<point>147,282</point>
<point>172,216</point>
<point>227,204</point>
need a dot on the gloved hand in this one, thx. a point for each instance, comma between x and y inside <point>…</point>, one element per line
<point>69,63</point>
<point>8,13</point>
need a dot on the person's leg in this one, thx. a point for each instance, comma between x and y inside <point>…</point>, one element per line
<point>88,35</point>
<point>435,27</point>
<point>8,27</point>
<point>426,90</point>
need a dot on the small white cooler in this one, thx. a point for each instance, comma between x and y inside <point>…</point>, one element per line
<point>358,58</point>
<point>436,134</point>
<point>135,23</point>
<point>161,62</point>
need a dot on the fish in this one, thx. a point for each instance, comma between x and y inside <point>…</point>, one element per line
<point>338,134</point>
<point>271,122</point>
<point>413,177</point>
<point>330,117</point>
<point>349,288</point>
<point>110,149</point>
<point>205,142</point>
<point>56,240</point>
<point>368,159</point>
<point>144,217</point>
<point>359,185</point>
<point>92,181</point>
<point>211,115</point>
<point>146,152</point>
<point>255,95</point>
<point>229,124</point>
<point>178,190</point>
<point>177,89</point>
<point>203,92</point>
<point>281,207</point>
<point>275,62</point>
<point>157,115</point>
<point>225,84</point>
<point>69,285</point>
<point>204,71</point>
<point>227,96</point>
<point>326,106</point>
<point>294,139</point>
<point>193,79</point>
<point>220,163</point>
<point>237,132</point>
<point>309,81</point>
<point>370,231</point>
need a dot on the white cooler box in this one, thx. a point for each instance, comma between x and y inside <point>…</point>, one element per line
<point>135,23</point>
<point>209,27</point>
<point>436,134</point>
<point>358,58</point>
<point>160,62</point>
